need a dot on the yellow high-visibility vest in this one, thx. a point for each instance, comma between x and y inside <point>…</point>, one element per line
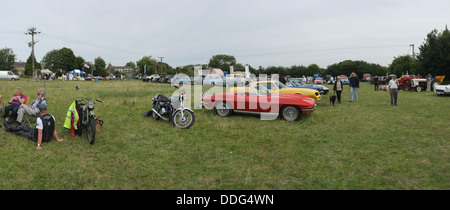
<point>71,111</point>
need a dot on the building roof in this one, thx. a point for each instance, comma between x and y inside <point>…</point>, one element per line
<point>18,65</point>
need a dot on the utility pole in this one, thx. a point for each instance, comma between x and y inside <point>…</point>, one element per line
<point>32,31</point>
<point>161,63</point>
<point>413,54</point>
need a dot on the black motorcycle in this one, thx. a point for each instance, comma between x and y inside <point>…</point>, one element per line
<point>172,109</point>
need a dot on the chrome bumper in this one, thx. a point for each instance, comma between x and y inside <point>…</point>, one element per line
<point>310,109</point>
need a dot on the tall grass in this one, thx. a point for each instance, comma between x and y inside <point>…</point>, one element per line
<point>362,145</point>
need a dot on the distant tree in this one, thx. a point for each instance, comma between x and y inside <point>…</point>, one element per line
<point>298,71</point>
<point>62,59</point>
<point>29,65</point>
<point>434,56</point>
<point>7,58</point>
<point>79,62</point>
<point>222,62</point>
<point>402,65</point>
<point>359,67</point>
<point>148,63</point>
<point>67,59</point>
<point>131,64</point>
<point>100,67</point>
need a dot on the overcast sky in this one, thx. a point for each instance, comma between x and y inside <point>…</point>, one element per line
<point>257,32</point>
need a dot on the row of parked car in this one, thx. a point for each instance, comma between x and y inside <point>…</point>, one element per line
<point>156,78</point>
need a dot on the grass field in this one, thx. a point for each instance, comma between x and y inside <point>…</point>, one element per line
<point>363,145</point>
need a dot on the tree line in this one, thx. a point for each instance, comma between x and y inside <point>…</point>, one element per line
<point>433,58</point>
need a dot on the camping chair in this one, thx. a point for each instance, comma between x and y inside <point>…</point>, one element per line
<point>25,115</point>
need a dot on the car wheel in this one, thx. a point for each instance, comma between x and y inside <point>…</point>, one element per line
<point>291,113</point>
<point>223,109</point>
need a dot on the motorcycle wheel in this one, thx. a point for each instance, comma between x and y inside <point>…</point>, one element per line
<point>91,130</point>
<point>183,123</point>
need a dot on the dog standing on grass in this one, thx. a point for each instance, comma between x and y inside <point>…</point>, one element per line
<point>332,99</point>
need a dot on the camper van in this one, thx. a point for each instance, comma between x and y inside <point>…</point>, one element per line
<point>8,75</point>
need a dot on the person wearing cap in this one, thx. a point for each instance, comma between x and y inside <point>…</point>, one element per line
<point>43,132</point>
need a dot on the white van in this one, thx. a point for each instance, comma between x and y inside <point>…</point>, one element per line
<point>8,75</point>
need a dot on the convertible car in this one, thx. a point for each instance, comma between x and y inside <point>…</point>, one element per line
<point>278,87</point>
<point>299,83</point>
<point>260,101</point>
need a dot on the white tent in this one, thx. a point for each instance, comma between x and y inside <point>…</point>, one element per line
<point>46,71</point>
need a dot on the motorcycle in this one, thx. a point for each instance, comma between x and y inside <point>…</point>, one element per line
<point>87,115</point>
<point>165,108</point>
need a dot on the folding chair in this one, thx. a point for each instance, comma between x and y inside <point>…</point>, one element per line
<point>25,115</point>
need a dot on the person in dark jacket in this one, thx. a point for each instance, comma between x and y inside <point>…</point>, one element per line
<point>283,80</point>
<point>354,86</point>
<point>43,132</point>
<point>375,83</point>
<point>338,87</point>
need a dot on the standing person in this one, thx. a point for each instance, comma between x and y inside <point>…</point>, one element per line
<point>44,131</point>
<point>0,107</point>
<point>283,79</point>
<point>32,109</point>
<point>338,88</point>
<point>304,79</point>
<point>15,102</point>
<point>354,86</point>
<point>375,82</point>
<point>429,79</point>
<point>393,90</point>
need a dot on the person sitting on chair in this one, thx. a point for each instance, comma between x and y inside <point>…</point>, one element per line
<point>32,109</point>
<point>44,131</point>
<point>15,102</point>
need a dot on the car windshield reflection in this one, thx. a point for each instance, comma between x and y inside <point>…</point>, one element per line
<point>260,90</point>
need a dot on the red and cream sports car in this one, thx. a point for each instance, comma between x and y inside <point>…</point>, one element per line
<point>260,101</point>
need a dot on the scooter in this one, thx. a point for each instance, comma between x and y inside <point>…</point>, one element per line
<point>165,108</point>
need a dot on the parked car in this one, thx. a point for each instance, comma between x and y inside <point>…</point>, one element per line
<point>8,75</point>
<point>164,79</point>
<point>441,90</point>
<point>299,83</point>
<point>274,86</point>
<point>146,78</point>
<point>367,77</point>
<point>329,79</point>
<point>213,80</point>
<point>318,80</point>
<point>309,79</point>
<point>260,101</point>
<point>156,78</point>
<point>344,79</point>
<point>178,80</point>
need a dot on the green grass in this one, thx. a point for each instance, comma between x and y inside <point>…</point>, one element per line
<point>363,145</point>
